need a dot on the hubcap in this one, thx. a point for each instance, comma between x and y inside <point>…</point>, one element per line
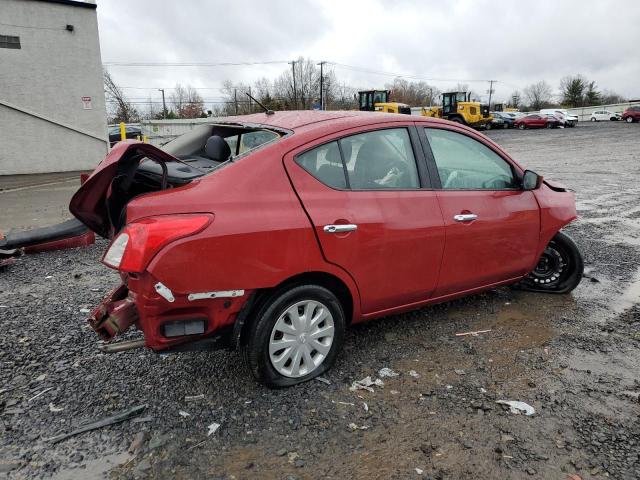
<point>301,338</point>
<point>549,268</point>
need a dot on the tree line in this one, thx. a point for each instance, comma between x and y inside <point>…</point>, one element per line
<point>298,88</point>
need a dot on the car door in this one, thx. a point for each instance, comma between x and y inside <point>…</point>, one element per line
<point>492,225</point>
<point>368,197</point>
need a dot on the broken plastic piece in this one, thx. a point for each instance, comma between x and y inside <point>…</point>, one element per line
<point>192,398</point>
<point>475,333</point>
<point>366,384</point>
<point>117,418</point>
<point>518,407</point>
<point>413,373</point>
<point>353,426</point>
<point>212,428</point>
<point>387,372</point>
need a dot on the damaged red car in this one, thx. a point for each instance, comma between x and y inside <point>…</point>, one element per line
<point>272,233</point>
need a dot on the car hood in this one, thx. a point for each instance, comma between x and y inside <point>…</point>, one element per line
<point>89,203</point>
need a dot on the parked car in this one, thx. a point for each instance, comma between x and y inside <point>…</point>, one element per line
<point>537,121</point>
<point>496,121</point>
<point>631,114</point>
<point>607,115</point>
<point>508,119</point>
<point>566,119</point>
<point>330,219</point>
<point>131,132</point>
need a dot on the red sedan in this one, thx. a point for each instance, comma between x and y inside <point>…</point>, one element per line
<point>272,233</point>
<point>537,121</point>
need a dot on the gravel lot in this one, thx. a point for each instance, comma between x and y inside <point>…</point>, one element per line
<point>574,358</point>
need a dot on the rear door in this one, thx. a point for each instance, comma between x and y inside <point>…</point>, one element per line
<point>368,197</point>
<point>492,226</point>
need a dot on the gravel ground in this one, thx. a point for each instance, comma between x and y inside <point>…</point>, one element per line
<point>574,358</point>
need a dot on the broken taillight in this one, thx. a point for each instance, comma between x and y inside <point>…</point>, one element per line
<point>139,241</point>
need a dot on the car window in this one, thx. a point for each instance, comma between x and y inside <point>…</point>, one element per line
<point>325,164</point>
<point>466,164</point>
<point>380,160</point>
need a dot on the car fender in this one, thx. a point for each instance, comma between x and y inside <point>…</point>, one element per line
<point>557,209</point>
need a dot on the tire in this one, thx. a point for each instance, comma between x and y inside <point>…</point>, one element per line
<point>458,120</point>
<point>629,120</point>
<point>505,125</point>
<point>488,126</point>
<point>522,126</point>
<point>593,119</point>
<point>549,125</point>
<point>613,119</point>
<point>280,312</point>
<point>559,269</point>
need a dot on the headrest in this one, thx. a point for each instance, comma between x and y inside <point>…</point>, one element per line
<point>217,149</point>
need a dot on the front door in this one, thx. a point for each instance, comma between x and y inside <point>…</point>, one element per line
<point>492,225</point>
<point>366,198</point>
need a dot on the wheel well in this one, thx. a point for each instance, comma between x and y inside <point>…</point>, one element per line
<point>323,279</point>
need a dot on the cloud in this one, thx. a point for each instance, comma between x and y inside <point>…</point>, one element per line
<point>516,43</point>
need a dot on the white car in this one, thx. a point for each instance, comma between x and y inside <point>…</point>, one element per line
<point>605,115</point>
<point>568,120</point>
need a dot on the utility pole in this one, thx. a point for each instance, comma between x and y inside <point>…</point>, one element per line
<point>490,91</point>
<point>164,105</point>
<point>321,86</point>
<point>293,71</point>
<point>235,99</point>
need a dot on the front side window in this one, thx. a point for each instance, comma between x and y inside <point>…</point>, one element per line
<point>325,164</point>
<point>466,164</point>
<point>380,160</point>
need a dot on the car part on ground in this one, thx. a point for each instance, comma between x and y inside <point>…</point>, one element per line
<point>277,248</point>
<point>69,234</point>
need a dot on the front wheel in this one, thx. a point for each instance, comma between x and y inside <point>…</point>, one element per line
<point>559,269</point>
<point>593,119</point>
<point>295,336</point>
<point>629,119</point>
<point>549,125</point>
<point>522,126</point>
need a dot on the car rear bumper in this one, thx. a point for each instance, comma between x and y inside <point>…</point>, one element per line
<point>168,320</point>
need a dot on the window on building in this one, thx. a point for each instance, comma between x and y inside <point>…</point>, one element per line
<point>7,41</point>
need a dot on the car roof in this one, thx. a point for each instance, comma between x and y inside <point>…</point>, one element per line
<point>297,119</point>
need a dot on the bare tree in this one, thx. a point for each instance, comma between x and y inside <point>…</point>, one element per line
<point>538,95</point>
<point>609,97</point>
<point>415,94</point>
<point>121,109</point>
<point>187,102</point>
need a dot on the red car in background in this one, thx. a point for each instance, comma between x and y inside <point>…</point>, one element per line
<point>537,121</point>
<point>631,114</point>
<point>272,233</point>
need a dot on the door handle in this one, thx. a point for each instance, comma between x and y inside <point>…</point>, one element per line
<point>340,228</point>
<point>465,217</point>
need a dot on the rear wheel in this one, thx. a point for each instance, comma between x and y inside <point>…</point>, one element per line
<point>593,119</point>
<point>522,126</point>
<point>296,336</point>
<point>559,269</point>
<point>549,125</point>
<point>488,126</point>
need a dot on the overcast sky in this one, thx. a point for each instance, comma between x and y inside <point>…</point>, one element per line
<point>513,42</point>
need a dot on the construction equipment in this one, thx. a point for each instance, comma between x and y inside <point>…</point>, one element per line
<point>458,107</point>
<point>378,101</point>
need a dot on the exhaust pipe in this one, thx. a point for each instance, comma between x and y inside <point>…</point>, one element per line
<point>122,346</point>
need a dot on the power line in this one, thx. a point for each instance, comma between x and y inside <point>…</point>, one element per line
<point>192,64</point>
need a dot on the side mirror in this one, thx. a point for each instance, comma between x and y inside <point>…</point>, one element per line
<point>531,180</point>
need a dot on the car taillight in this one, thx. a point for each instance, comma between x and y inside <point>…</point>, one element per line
<point>139,241</point>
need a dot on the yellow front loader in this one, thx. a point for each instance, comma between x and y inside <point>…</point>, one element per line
<point>458,107</point>
<point>378,101</point>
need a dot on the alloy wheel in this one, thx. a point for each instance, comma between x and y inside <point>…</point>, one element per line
<point>301,338</point>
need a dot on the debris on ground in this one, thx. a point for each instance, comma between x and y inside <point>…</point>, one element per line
<point>419,471</point>
<point>474,333</point>
<point>211,429</point>
<point>194,398</point>
<point>183,414</point>
<point>387,372</point>
<point>354,427</point>
<point>518,407</point>
<point>413,373</point>
<point>41,393</point>
<point>459,371</point>
<point>137,442</point>
<point>365,406</point>
<point>366,384</point>
<point>323,380</point>
<point>113,419</point>
<point>54,409</point>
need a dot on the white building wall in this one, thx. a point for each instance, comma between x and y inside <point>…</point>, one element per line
<point>47,78</point>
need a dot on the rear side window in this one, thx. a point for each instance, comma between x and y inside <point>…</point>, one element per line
<point>325,164</point>
<point>466,164</point>
<point>380,160</point>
